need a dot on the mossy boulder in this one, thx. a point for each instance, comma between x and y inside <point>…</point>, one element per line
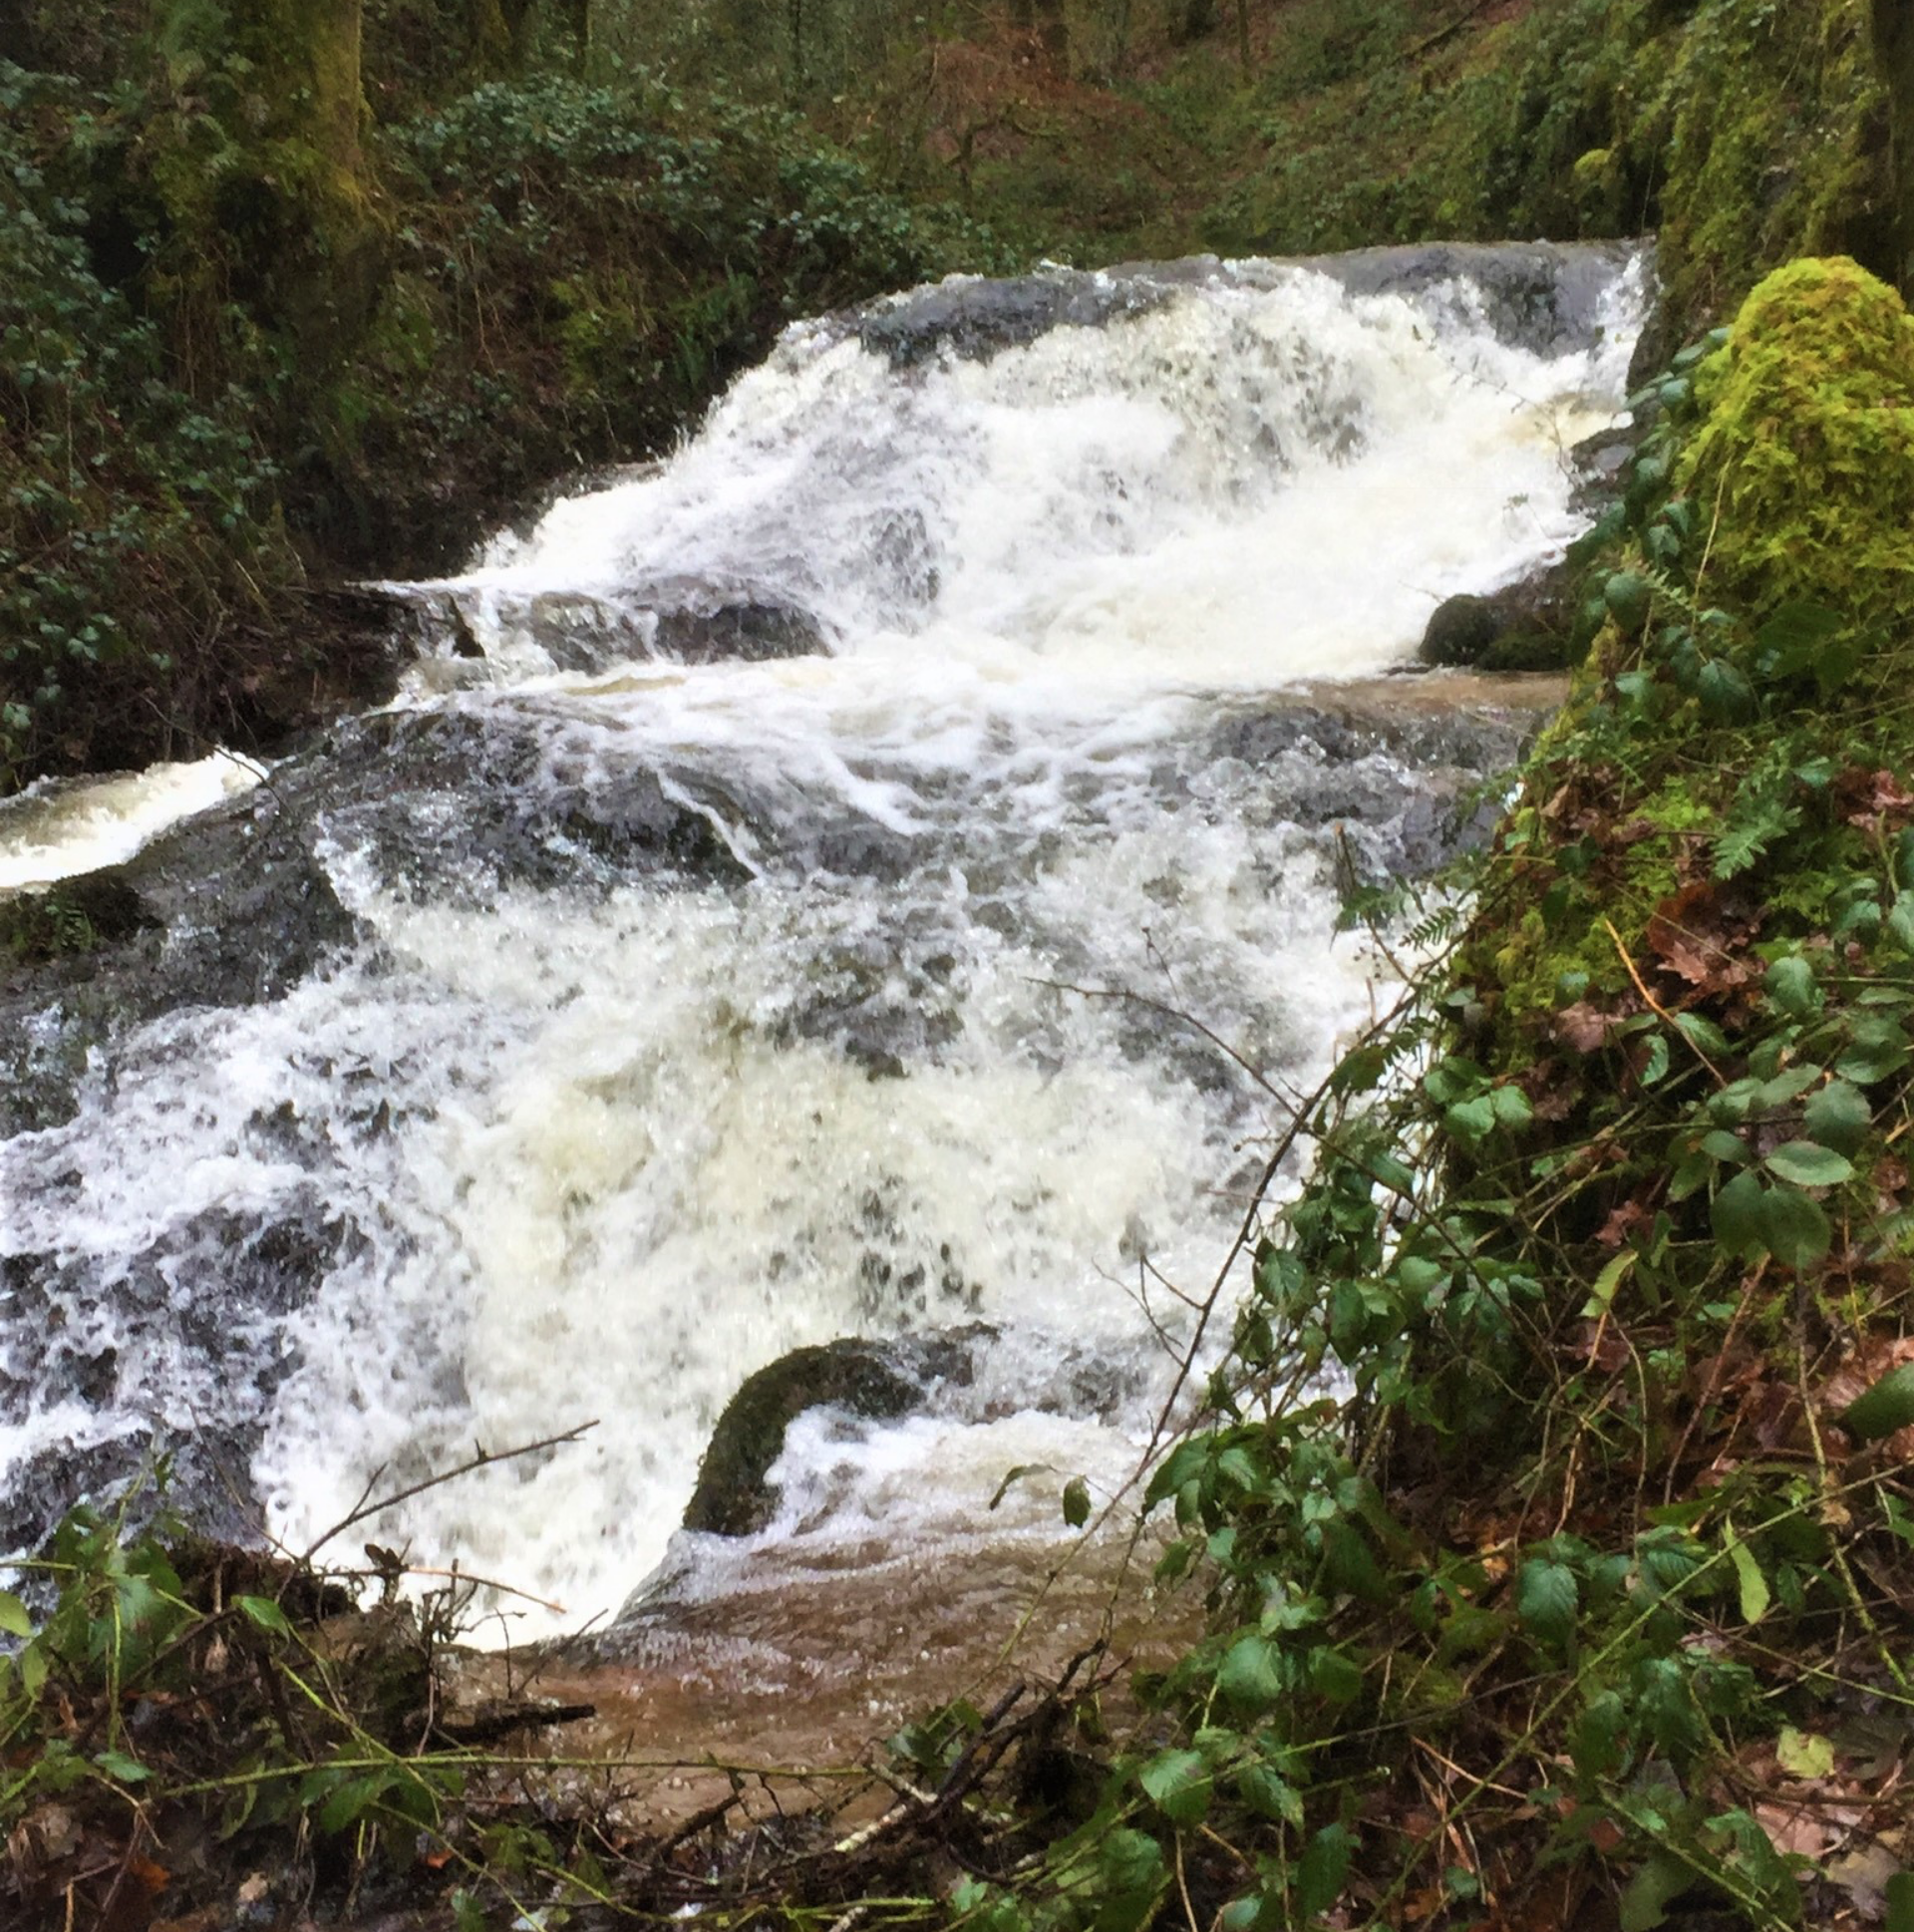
<point>1655,790</point>
<point>876,1381</point>
<point>1805,460</point>
<point>1461,630</point>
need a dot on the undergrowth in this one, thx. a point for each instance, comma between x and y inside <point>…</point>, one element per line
<point>1591,1593</point>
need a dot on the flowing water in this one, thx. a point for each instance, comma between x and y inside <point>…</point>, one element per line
<point>873,873</point>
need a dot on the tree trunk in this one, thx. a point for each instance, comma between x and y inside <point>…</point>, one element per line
<point>1053,32</point>
<point>1894,50</point>
<point>293,215</point>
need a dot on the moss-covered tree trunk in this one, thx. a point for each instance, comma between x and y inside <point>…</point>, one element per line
<point>284,213</point>
<point>1894,48</point>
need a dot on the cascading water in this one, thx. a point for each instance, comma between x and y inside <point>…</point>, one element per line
<point>723,945</point>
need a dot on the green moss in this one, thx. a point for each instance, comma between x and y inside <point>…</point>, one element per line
<point>1746,131</point>
<point>1819,510</point>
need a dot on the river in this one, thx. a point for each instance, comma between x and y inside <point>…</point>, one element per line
<point>873,873</point>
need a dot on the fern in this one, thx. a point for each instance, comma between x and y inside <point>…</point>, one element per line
<point>1762,813</point>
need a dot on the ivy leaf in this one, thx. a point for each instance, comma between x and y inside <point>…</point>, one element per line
<point>1178,1784</point>
<point>1547,1597</point>
<point>1809,1165</point>
<point>1076,1503</point>
<point>13,1616</point>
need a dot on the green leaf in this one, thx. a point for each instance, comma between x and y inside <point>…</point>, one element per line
<point>1076,1503</point>
<point>1012,1476</point>
<point>1790,985</point>
<point>116,1764</point>
<point>1132,1862</point>
<point>1804,1754</point>
<point>348,1801</point>
<point>1595,1738</point>
<point>1547,1597</point>
<point>1602,1295</point>
<point>1321,1871</point>
<point>1725,693</point>
<point>1899,1894</point>
<point>1741,1226</point>
<point>13,1616</point>
<point>265,1613</point>
<point>1792,636</point>
<point>1750,1583</point>
<point>1265,1789</point>
<point>1886,1406</point>
<point>1250,1674</point>
<point>1335,1675</point>
<point>1359,1070</point>
<point>1900,921</point>
<point>1795,1228</point>
<point>1809,1165</point>
<point>1878,1051</point>
<point>1648,1895</point>
<point>1628,597</point>
<point>1177,1782</point>
<point>1702,1033</point>
<point>1472,1121</point>
<point>1718,1144</point>
<point>1838,1116</point>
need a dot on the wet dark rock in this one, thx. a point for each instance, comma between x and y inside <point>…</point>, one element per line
<point>1395,779</point>
<point>1539,295</point>
<point>876,1381</point>
<point>237,907</point>
<point>1600,461</point>
<point>1524,626</point>
<point>679,620</point>
<point>703,623</point>
<point>205,1299</point>
<point>1544,296</point>
<point>976,320</point>
<point>1460,631</point>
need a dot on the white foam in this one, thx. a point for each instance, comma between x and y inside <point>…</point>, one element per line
<point>59,832</point>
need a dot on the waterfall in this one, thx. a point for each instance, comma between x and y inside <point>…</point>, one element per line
<point>872,872</point>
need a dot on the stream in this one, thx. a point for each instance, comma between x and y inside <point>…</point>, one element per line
<point>873,873</point>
